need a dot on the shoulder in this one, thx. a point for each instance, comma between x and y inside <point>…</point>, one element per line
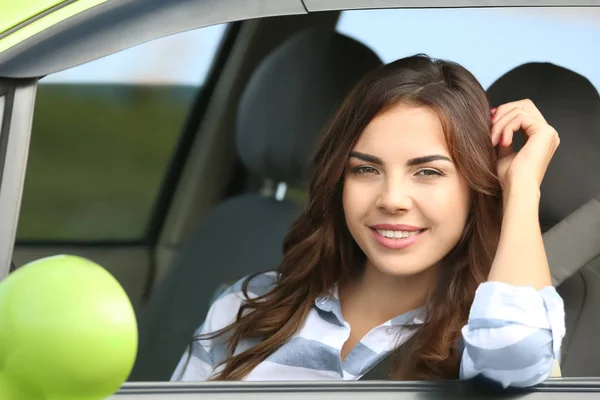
<point>228,300</point>
<point>257,285</point>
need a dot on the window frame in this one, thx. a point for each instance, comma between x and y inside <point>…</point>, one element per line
<point>15,129</point>
<point>175,165</point>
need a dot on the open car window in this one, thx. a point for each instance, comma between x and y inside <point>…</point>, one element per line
<point>104,134</point>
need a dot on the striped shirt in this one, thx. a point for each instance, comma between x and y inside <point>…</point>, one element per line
<point>513,337</point>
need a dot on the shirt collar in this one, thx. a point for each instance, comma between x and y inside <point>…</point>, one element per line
<point>330,302</point>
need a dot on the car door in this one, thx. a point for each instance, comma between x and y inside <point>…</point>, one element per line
<point>98,26</point>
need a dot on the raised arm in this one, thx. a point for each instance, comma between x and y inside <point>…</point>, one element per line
<point>516,323</point>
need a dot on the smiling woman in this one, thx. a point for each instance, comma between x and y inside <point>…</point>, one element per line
<point>420,242</point>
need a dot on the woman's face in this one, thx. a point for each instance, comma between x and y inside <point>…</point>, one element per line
<point>404,201</point>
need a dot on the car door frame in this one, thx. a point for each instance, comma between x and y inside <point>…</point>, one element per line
<point>17,104</point>
<point>17,98</point>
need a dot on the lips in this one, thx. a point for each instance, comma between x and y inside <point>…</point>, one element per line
<point>397,227</point>
<point>397,236</point>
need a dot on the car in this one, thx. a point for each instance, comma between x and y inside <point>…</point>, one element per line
<point>142,171</point>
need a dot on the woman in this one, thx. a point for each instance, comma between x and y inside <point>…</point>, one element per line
<point>420,241</point>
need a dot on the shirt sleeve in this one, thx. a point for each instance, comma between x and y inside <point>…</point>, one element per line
<point>198,363</point>
<point>514,334</point>
<point>197,366</point>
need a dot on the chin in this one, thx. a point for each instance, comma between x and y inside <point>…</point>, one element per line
<point>401,269</point>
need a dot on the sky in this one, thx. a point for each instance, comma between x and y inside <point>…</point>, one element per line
<point>487,41</point>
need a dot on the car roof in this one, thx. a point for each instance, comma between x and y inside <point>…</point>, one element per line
<point>38,38</point>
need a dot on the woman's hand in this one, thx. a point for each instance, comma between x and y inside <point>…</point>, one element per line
<point>529,165</point>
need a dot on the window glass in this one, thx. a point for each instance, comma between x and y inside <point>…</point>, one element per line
<point>103,135</point>
<point>487,41</point>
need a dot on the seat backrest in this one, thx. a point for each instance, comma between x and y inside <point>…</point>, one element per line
<point>284,107</point>
<point>571,104</point>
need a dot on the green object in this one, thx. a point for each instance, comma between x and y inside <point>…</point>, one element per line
<point>19,13</point>
<point>67,332</point>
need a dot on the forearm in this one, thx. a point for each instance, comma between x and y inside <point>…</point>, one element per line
<point>513,335</point>
<point>521,258</point>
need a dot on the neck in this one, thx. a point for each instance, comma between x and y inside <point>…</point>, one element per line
<point>379,297</point>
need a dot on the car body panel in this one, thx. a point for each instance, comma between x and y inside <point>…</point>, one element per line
<point>41,24</point>
<point>15,13</point>
<point>382,390</point>
<point>115,25</point>
<point>329,5</point>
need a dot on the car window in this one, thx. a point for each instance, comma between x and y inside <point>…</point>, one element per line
<point>103,136</point>
<point>487,41</point>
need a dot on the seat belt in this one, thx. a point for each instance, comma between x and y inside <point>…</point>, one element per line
<point>574,241</point>
<point>572,244</point>
<point>569,245</point>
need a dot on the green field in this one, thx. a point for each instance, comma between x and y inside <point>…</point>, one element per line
<point>97,159</point>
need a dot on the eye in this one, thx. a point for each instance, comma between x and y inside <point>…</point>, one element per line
<point>429,172</point>
<point>365,169</point>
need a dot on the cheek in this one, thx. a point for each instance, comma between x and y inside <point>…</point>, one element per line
<point>448,202</point>
<point>348,200</point>
<point>356,200</point>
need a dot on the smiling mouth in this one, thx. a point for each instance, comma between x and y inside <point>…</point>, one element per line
<point>397,239</point>
<point>392,234</point>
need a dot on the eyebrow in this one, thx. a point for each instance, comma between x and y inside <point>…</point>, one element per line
<point>412,162</point>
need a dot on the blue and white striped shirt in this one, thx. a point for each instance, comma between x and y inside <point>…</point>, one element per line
<point>513,337</point>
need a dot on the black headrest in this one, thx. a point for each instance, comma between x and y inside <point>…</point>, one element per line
<point>571,104</point>
<point>291,96</point>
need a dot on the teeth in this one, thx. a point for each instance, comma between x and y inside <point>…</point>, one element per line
<point>397,234</point>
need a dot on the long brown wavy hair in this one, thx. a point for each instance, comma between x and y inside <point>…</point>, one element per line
<point>319,251</point>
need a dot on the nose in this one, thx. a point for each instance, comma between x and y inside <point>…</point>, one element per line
<point>395,196</point>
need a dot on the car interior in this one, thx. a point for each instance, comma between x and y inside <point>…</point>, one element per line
<point>239,169</point>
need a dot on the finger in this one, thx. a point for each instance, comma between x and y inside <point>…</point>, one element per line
<point>506,138</point>
<point>504,151</point>
<point>526,123</point>
<point>502,110</point>
<point>526,105</point>
<point>519,121</point>
<point>501,123</point>
<point>530,108</point>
